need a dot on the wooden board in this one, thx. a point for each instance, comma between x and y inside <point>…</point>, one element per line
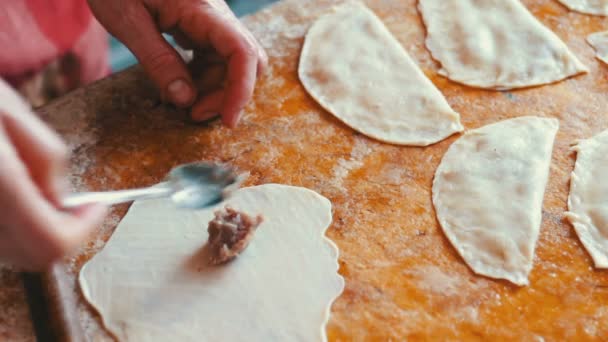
<point>403,278</point>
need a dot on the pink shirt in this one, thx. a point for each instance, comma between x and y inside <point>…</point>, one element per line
<point>34,33</point>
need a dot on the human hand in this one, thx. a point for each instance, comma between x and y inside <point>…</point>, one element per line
<point>33,232</point>
<point>206,26</point>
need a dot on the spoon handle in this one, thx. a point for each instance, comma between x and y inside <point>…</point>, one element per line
<point>115,197</point>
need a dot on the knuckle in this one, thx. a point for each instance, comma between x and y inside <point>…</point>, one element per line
<point>206,4</point>
<point>187,17</point>
<point>158,61</point>
<point>249,50</point>
<point>218,6</point>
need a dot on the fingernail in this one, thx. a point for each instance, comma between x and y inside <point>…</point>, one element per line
<point>180,92</point>
<point>205,116</point>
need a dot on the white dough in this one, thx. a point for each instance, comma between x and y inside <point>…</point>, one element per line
<point>494,44</point>
<point>355,68</point>
<point>488,193</point>
<point>599,42</point>
<point>151,282</point>
<point>588,200</point>
<point>595,7</point>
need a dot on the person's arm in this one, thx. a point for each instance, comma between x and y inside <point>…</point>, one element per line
<point>33,231</point>
<point>203,25</point>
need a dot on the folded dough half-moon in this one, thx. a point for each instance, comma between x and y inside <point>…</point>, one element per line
<point>594,7</point>
<point>488,193</point>
<point>588,199</point>
<point>599,42</point>
<point>353,67</point>
<point>494,44</point>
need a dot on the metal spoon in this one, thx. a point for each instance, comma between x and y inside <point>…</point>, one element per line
<point>190,186</point>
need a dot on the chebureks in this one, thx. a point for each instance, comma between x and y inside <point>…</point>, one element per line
<point>588,199</point>
<point>488,193</point>
<point>495,44</point>
<point>353,67</point>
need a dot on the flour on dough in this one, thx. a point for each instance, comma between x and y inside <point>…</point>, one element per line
<point>595,7</point>
<point>588,200</point>
<point>355,68</point>
<point>494,44</point>
<point>152,281</point>
<point>488,193</point>
<point>599,42</point>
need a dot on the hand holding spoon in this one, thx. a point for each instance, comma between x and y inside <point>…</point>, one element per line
<point>190,186</point>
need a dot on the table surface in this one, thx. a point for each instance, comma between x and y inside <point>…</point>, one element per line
<point>15,322</point>
<point>403,278</point>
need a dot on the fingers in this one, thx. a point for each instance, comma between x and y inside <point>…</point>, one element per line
<point>40,232</point>
<point>263,61</point>
<point>262,56</point>
<point>242,70</point>
<point>194,24</point>
<point>135,27</point>
<point>182,40</point>
<point>44,155</point>
<point>209,74</point>
<point>214,24</point>
<point>40,148</point>
<point>209,107</point>
<point>32,158</point>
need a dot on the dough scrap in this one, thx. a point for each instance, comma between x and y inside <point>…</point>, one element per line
<point>353,67</point>
<point>595,7</point>
<point>599,42</point>
<point>495,44</point>
<point>588,199</point>
<point>488,193</point>
<point>152,281</point>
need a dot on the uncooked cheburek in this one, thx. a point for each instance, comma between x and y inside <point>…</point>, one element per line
<point>494,44</point>
<point>355,68</point>
<point>488,193</point>
<point>588,200</point>
<point>599,42</point>
<point>152,281</point>
<point>595,7</point>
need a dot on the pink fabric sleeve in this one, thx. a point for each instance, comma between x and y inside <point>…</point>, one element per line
<point>35,33</point>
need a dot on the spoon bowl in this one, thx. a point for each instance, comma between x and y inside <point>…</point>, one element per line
<point>200,185</point>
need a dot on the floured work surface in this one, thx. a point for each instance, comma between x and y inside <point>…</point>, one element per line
<point>403,278</point>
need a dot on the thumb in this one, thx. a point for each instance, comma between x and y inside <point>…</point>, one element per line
<point>159,59</point>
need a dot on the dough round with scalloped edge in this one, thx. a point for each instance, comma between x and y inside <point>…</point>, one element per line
<point>152,281</point>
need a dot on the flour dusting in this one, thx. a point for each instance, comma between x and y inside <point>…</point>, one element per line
<point>432,278</point>
<point>345,165</point>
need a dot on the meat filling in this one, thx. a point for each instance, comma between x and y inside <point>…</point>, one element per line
<point>229,234</point>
